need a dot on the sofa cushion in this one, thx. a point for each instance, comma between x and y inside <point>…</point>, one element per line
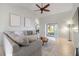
<point>21,38</point>
<point>31,38</point>
<point>19,33</point>
<point>30,32</point>
<point>18,37</point>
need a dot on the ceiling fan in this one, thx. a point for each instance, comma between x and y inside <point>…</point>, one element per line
<point>43,8</point>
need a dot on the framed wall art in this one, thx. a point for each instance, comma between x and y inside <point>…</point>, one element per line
<point>15,20</point>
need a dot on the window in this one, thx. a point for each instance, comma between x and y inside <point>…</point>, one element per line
<point>51,29</point>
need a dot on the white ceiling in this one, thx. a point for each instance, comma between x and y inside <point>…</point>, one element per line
<point>54,8</point>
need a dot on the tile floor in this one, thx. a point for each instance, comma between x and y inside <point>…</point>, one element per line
<point>58,48</point>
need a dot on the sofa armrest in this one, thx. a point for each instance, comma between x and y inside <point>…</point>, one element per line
<point>9,46</point>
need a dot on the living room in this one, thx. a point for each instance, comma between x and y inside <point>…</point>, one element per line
<point>56,28</point>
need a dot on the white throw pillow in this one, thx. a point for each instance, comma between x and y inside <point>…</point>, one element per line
<point>19,33</point>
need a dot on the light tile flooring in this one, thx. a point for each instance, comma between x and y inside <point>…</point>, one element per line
<point>58,48</point>
<point>1,51</point>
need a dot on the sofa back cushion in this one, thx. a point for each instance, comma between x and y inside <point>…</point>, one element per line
<point>17,36</point>
<point>22,38</point>
<point>29,32</point>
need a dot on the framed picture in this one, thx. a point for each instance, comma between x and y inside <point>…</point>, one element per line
<point>14,20</point>
<point>51,29</point>
<point>27,22</point>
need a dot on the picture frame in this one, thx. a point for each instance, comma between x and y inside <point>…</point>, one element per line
<point>27,22</point>
<point>15,20</point>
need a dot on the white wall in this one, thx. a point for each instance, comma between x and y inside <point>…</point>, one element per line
<point>60,19</point>
<point>6,9</point>
<point>76,34</point>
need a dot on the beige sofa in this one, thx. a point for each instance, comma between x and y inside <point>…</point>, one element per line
<point>12,49</point>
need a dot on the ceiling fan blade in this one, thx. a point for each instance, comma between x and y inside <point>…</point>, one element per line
<point>38,6</point>
<point>46,10</point>
<point>46,6</point>
<point>37,10</point>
